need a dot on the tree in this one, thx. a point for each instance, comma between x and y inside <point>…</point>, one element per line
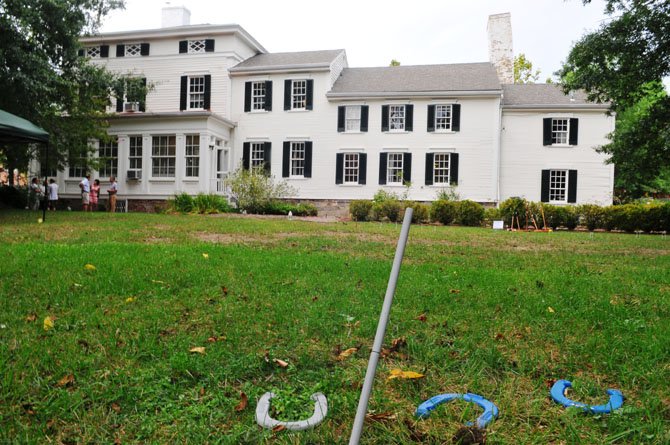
<point>394,63</point>
<point>45,81</point>
<point>523,70</point>
<point>623,63</point>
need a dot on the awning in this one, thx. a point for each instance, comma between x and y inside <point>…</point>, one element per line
<point>17,129</point>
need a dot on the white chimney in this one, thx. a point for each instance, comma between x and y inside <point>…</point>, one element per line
<point>175,16</point>
<point>501,53</point>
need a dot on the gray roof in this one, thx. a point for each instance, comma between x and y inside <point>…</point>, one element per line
<point>544,95</point>
<point>278,61</point>
<point>416,79</point>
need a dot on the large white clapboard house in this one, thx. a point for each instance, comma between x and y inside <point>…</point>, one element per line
<point>219,101</point>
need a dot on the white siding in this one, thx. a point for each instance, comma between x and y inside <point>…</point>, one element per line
<point>336,68</point>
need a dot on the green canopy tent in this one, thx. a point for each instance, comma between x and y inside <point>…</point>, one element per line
<point>16,129</point>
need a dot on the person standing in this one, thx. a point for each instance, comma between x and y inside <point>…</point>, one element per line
<point>112,190</point>
<point>36,194</point>
<point>53,194</point>
<point>85,186</point>
<point>95,195</point>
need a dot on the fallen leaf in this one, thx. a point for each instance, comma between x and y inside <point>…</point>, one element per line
<point>205,256</point>
<point>90,267</point>
<point>454,291</point>
<point>51,423</point>
<point>280,362</point>
<point>116,407</point>
<point>130,299</point>
<point>158,281</point>
<point>346,353</point>
<point>49,322</point>
<point>551,309</point>
<point>68,380</point>
<point>224,289</point>
<point>244,401</point>
<point>197,349</point>
<point>499,336</point>
<point>202,391</point>
<point>398,343</point>
<point>28,408</point>
<point>400,374</point>
<point>381,417</point>
<point>278,428</point>
<point>422,317</point>
<point>31,317</point>
<point>211,339</point>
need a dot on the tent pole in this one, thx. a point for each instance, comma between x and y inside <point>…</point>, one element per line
<point>46,184</point>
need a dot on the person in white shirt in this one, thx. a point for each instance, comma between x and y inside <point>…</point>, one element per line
<point>53,194</point>
<point>112,190</point>
<point>36,194</point>
<point>85,186</point>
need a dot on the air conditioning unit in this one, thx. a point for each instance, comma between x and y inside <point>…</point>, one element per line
<point>133,175</point>
<point>131,106</point>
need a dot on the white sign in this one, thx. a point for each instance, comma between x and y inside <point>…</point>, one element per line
<point>498,225</point>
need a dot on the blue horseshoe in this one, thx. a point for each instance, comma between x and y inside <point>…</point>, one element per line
<point>558,394</point>
<point>490,410</point>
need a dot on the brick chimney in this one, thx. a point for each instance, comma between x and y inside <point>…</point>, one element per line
<point>501,53</point>
<point>175,16</point>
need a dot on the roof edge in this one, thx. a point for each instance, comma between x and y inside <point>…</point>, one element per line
<point>280,69</point>
<point>556,107</point>
<point>172,114</point>
<point>422,94</point>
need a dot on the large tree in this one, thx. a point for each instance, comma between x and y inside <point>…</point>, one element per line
<point>623,63</point>
<point>45,81</point>
<point>523,70</point>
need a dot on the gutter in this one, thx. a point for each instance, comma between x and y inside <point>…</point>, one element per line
<point>406,94</point>
<point>169,115</point>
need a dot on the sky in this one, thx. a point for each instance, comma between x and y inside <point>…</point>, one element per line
<point>373,32</point>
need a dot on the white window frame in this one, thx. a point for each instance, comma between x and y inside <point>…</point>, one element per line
<point>256,156</point>
<point>196,93</point>
<point>77,171</point>
<point>132,50</point>
<point>395,163</point>
<point>397,118</point>
<point>258,92</point>
<point>299,94</point>
<point>192,155</point>
<point>560,131</point>
<point>196,46</point>
<point>135,152</point>
<point>352,118</point>
<point>441,169</point>
<point>93,52</point>
<point>164,156</point>
<point>109,150</point>
<point>443,117</point>
<point>558,185</point>
<point>351,168</point>
<point>297,153</point>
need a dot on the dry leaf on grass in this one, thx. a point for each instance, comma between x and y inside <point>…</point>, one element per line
<point>31,317</point>
<point>130,299</point>
<point>49,322</point>
<point>278,428</point>
<point>197,350</point>
<point>400,374</point>
<point>381,417</point>
<point>280,362</point>
<point>244,401</point>
<point>205,256</point>
<point>68,380</point>
<point>551,309</point>
<point>116,407</point>
<point>346,353</point>
<point>90,267</point>
<point>454,291</point>
<point>422,317</point>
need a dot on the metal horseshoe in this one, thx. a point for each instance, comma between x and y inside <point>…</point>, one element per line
<point>558,394</point>
<point>490,410</point>
<point>263,413</point>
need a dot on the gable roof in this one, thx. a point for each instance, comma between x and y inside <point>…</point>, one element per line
<point>306,60</point>
<point>416,80</point>
<point>541,95</point>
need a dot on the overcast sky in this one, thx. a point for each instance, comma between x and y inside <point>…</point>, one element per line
<point>373,32</point>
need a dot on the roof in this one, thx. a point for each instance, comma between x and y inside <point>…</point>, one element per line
<point>284,61</point>
<point>14,128</point>
<point>541,95</point>
<point>426,79</point>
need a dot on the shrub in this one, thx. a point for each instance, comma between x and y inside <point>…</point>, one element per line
<point>421,212</point>
<point>283,208</point>
<point>443,211</point>
<point>182,202</point>
<point>360,210</point>
<point>389,209</point>
<point>590,216</point>
<point>254,191</point>
<point>491,214</point>
<point>448,194</point>
<point>469,213</point>
<point>512,206</point>
<point>211,203</point>
<point>570,217</point>
<point>16,197</point>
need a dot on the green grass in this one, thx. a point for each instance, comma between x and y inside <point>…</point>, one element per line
<point>300,292</point>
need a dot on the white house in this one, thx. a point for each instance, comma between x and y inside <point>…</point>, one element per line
<point>218,101</point>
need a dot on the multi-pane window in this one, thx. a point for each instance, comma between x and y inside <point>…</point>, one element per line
<point>196,46</point>
<point>133,49</point>
<point>560,131</point>
<point>135,153</point>
<point>352,118</point>
<point>77,168</point>
<point>443,117</point>
<point>394,169</point>
<point>397,118</point>
<point>192,155</point>
<point>257,160</point>
<point>441,166</point>
<point>297,159</point>
<point>351,165</point>
<point>558,185</point>
<point>108,152</point>
<point>258,95</point>
<point>163,158</point>
<point>196,92</point>
<point>93,52</point>
<point>298,94</point>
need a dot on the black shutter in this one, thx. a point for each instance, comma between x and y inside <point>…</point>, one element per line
<point>119,103</point>
<point>246,155</point>
<point>209,45</point>
<point>341,113</point>
<point>409,117</point>
<point>120,50</point>
<point>267,157</point>
<point>183,93</point>
<point>546,138</point>
<point>104,50</point>
<point>456,117</point>
<point>308,159</point>
<point>453,169</point>
<point>183,46</point>
<point>310,94</point>
<point>364,118</point>
<point>406,167</point>
<point>81,52</point>
<point>574,130</point>
<point>385,118</point>
<point>268,95</point>
<point>430,161</point>
<point>339,168</point>
<point>143,101</point>
<point>144,49</point>
<point>544,191</point>
<point>287,94</point>
<point>431,124</point>
<point>383,160</point>
<point>572,186</point>
<point>208,92</point>
<point>286,161</point>
<point>362,168</point>
<point>247,97</point>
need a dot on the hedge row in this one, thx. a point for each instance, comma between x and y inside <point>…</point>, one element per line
<point>465,213</point>
<point>203,203</point>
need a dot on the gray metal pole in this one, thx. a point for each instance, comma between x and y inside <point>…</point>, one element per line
<point>381,330</point>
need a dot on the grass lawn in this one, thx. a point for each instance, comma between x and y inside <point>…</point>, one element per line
<point>499,314</point>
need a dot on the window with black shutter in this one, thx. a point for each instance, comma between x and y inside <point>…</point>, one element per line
<point>144,49</point>
<point>209,45</point>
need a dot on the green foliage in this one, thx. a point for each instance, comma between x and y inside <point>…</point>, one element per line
<point>469,213</point>
<point>16,197</point>
<point>523,70</point>
<point>360,210</point>
<point>591,216</point>
<point>201,203</point>
<point>421,213</point>
<point>448,194</point>
<point>283,208</point>
<point>255,192</point>
<point>491,214</point>
<point>389,209</point>
<point>512,207</point>
<point>443,211</point>
<point>394,63</point>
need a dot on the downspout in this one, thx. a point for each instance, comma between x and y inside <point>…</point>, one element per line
<point>498,153</point>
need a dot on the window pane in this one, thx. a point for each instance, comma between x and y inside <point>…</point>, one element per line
<point>297,158</point>
<point>558,185</point>
<point>257,156</point>
<point>351,165</point>
<point>443,117</point>
<point>108,152</point>
<point>397,117</point>
<point>353,118</point>
<point>258,95</point>
<point>163,159</point>
<point>299,95</point>
<point>196,91</point>
<point>196,46</point>
<point>394,168</point>
<point>192,152</point>
<point>441,168</point>
<point>559,131</point>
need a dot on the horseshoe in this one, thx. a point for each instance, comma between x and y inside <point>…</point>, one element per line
<point>558,394</point>
<point>490,410</point>
<point>263,413</point>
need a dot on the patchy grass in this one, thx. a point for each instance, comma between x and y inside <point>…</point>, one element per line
<point>495,313</point>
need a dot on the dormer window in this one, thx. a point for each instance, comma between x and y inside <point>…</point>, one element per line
<point>132,49</point>
<point>93,52</point>
<point>196,46</point>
